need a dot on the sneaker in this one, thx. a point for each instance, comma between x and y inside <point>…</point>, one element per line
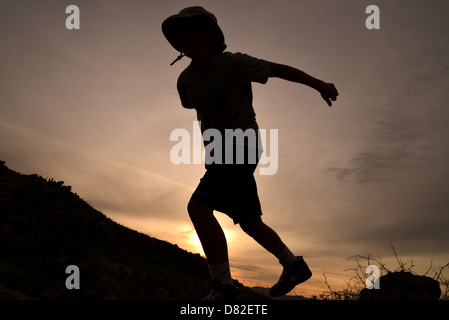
<point>291,276</point>
<point>223,293</point>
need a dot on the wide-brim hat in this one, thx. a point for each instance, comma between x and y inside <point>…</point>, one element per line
<point>172,25</point>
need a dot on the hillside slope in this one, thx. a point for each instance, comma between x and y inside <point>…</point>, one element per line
<point>44,228</point>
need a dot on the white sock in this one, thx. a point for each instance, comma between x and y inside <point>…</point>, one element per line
<point>222,273</point>
<point>286,257</point>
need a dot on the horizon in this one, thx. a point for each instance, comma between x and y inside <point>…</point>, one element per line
<point>95,107</point>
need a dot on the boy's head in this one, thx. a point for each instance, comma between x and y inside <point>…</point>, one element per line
<point>193,27</point>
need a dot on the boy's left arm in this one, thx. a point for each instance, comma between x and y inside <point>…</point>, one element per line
<point>327,90</point>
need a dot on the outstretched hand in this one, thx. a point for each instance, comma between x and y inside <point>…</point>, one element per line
<point>328,92</point>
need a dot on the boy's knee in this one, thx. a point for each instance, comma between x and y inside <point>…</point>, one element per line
<point>245,227</point>
<point>250,225</point>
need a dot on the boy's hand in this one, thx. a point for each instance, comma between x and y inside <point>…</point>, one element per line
<point>328,92</point>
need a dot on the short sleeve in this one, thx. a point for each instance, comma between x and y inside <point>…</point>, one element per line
<point>252,69</point>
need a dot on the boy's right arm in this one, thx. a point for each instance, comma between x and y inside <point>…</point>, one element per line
<point>327,90</point>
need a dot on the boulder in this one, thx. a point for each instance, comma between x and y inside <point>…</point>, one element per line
<point>403,285</point>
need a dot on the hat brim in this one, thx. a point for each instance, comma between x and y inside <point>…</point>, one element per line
<point>172,25</point>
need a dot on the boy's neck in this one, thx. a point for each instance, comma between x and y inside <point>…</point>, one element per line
<point>203,58</point>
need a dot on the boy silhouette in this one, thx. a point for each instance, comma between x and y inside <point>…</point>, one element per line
<point>217,85</point>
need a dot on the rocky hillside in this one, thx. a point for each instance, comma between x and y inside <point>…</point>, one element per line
<point>44,228</point>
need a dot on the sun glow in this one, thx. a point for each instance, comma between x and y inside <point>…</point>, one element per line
<point>196,243</point>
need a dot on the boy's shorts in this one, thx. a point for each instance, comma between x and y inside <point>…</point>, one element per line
<point>231,189</point>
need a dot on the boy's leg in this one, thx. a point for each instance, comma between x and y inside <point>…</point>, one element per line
<point>268,239</point>
<point>295,268</point>
<point>212,239</point>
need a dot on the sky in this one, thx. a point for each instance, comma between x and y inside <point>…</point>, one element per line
<point>95,107</point>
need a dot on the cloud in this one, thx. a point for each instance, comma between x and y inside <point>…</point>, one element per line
<point>404,106</point>
<point>394,145</point>
<point>373,165</point>
<point>403,124</point>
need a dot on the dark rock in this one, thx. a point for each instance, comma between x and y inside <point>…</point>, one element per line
<point>403,286</point>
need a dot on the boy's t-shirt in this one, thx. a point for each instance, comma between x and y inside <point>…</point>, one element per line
<point>221,92</point>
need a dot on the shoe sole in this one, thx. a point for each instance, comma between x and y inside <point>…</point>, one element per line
<point>303,276</point>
